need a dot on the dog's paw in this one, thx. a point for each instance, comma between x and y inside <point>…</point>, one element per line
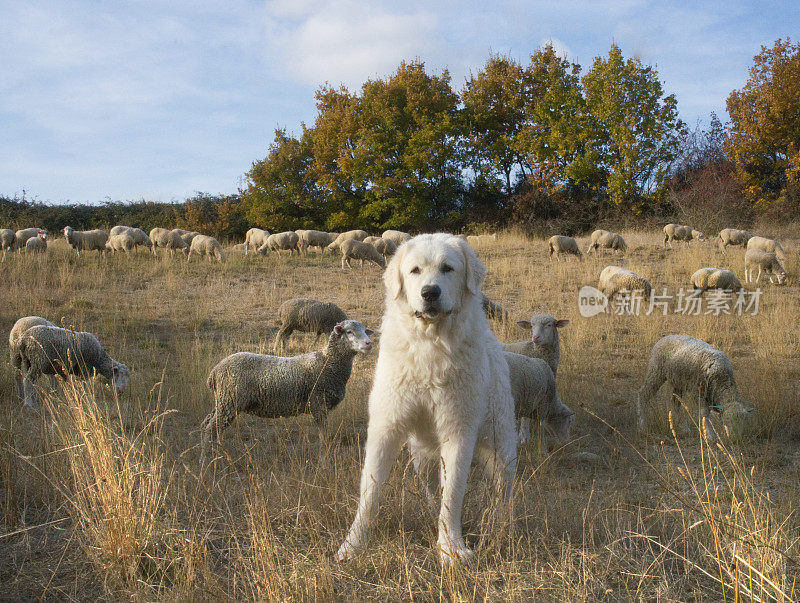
<point>453,554</point>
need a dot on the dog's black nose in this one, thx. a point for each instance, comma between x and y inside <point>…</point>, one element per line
<point>431,292</point>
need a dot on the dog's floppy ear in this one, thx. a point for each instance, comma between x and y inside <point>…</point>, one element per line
<point>392,278</point>
<point>474,268</point>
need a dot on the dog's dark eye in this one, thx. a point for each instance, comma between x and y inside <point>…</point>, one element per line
<point>447,268</point>
<point>415,270</point>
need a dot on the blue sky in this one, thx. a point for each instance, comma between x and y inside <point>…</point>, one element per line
<point>158,100</point>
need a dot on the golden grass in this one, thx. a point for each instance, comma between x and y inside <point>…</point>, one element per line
<point>104,498</point>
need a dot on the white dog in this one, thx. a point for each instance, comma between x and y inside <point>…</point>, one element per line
<point>441,386</point>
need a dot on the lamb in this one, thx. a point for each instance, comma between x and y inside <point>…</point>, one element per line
<point>698,371</point>
<point>766,262</point>
<point>397,237</point>
<point>121,242</point>
<point>186,235</point>
<point>36,245</point>
<point>561,245</point>
<point>86,240</point>
<point>614,279</point>
<point>492,310</point>
<point>280,241</point>
<point>768,245</point>
<point>169,240</point>
<point>308,316</point>
<point>24,234</point>
<point>255,238</point>
<point>715,278</point>
<point>533,386</point>
<point>315,238</point>
<point>357,250</point>
<point>678,232</point>
<point>275,386</point>
<point>603,239</point>
<point>204,245</point>
<point>732,236</point>
<point>358,235</point>
<point>14,337</point>
<point>51,350</point>
<point>386,247</point>
<point>544,341</point>
<point>7,240</point>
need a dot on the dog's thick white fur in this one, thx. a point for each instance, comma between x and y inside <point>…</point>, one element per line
<point>441,386</point>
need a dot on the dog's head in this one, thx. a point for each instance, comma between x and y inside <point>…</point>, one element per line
<point>430,276</point>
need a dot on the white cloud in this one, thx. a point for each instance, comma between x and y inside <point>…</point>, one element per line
<point>560,47</point>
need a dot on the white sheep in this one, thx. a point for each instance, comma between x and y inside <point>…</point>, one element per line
<point>8,238</point>
<point>14,337</point>
<point>186,235</point>
<point>315,238</point>
<point>386,247</point>
<point>122,241</point>
<point>24,234</point>
<point>307,316</point>
<point>206,246</point>
<point>603,239</point>
<point>36,244</point>
<point>274,386</point>
<point>732,236</point>
<point>168,240</point>
<point>51,350</point>
<point>615,279</point>
<point>480,240</point>
<point>544,342</point>
<point>397,237</point>
<point>353,249</point>
<point>358,235</point>
<point>493,311</point>
<point>255,238</point>
<point>766,262</point>
<point>697,373</point>
<point>715,278</point>
<point>561,246</point>
<point>281,241</point>
<point>678,232</point>
<point>86,240</point>
<point>371,240</point>
<point>768,245</point>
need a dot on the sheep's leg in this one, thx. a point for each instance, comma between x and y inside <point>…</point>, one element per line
<point>542,437</point>
<point>705,420</point>
<point>653,381</point>
<point>758,278</point>
<point>524,430</point>
<point>212,427</point>
<point>343,262</point>
<point>679,419</point>
<point>20,386</point>
<point>282,337</point>
<point>29,391</point>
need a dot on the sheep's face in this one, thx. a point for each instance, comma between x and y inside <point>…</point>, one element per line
<point>544,329</point>
<point>358,337</point>
<point>560,424</point>
<point>696,234</point>
<point>121,377</point>
<point>66,230</point>
<point>781,277</point>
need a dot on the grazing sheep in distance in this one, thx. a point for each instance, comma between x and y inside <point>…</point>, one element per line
<point>14,337</point>
<point>766,262</point>
<point>478,240</point>
<point>371,240</point>
<point>281,241</point>
<point>86,240</point>
<point>699,372</point>
<point>357,250</point>
<point>603,239</point>
<point>24,234</point>
<point>544,342</point>
<point>204,245</point>
<point>186,235</point>
<point>358,235</point>
<point>255,238</point>
<point>36,244</point>
<point>274,386</point>
<point>7,240</point>
<point>614,279</point>
<point>678,232</point>
<point>768,245</point>
<point>492,310</point>
<point>386,247</point>
<point>715,278</point>
<point>732,236</point>
<point>168,240</point>
<point>397,237</point>
<point>121,242</point>
<point>51,350</point>
<point>315,238</point>
<point>308,316</point>
<point>561,245</point>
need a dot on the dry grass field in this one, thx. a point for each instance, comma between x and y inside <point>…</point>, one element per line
<point>103,498</point>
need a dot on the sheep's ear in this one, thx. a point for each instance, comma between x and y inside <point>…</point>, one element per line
<point>369,331</point>
<point>338,329</point>
<point>475,271</point>
<point>561,322</point>
<point>525,324</point>
<point>392,278</point>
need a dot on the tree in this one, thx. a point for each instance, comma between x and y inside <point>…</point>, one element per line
<point>764,134</point>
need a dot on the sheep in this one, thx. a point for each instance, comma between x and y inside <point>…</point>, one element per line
<point>678,232</point>
<point>140,238</point>
<point>280,241</point>
<point>699,372</point>
<point>397,237</point>
<point>14,337</point>
<point>358,235</point>
<point>544,341</point>
<point>24,234</point>
<point>86,240</point>
<point>255,238</point>
<point>533,387</point>
<point>768,245</point>
<point>51,350</point>
<point>732,236</point>
<point>7,240</point>
<point>714,278</point>
<point>371,240</point>
<point>308,316</point>
<point>121,242</point>
<point>614,279</point>
<point>478,240</point>
<point>386,247</point>
<point>168,240</point>
<point>492,310</point>
<point>36,245</point>
<point>186,235</point>
<point>356,250</point>
<point>561,245</point>
<point>204,245</point>
<point>603,239</point>
<point>766,262</point>
<point>315,238</point>
<point>275,386</point>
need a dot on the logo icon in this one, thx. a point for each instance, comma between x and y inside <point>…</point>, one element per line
<point>591,301</point>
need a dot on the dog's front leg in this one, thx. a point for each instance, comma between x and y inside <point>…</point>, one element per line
<point>457,453</point>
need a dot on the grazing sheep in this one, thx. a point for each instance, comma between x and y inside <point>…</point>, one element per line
<point>315,238</point>
<point>715,278</point>
<point>371,240</point>
<point>86,240</point>
<point>603,239</point>
<point>255,238</point>
<point>168,240</point>
<point>478,240</point>
<point>274,386</point>
<point>386,247</point>
<point>732,236</point>
<point>544,341</point>
<point>766,262</point>
<point>697,372</point>
<point>24,234</point>
<point>204,245</point>
<point>121,242</point>
<point>561,245</point>
<point>140,238</point>
<point>187,235</point>
<point>768,245</point>
<point>357,250</point>
<point>51,350</point>
<point>36,244</point>
<point>614,279</point>
<point>7,240</point>
<point>533,386</point>
<point>308,316</point>
<point>14,337</point>
<point>119,229</point>
<point>678,232</point>
<point>397,237</point>
<point>358,235</point>
<point>492,310</point>
<point>281,241</point>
